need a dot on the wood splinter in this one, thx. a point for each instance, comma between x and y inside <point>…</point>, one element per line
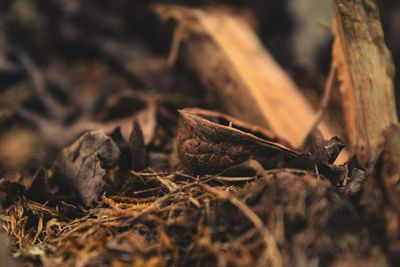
<point>365,72</point>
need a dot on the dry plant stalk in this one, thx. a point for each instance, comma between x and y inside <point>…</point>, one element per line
<point>366,71</point>
<point>226,54</point>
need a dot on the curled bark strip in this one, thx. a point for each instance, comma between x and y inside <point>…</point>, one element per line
<point>210,142</point>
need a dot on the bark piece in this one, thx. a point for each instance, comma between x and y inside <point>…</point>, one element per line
<point>137,147</point>
<point>211,142</point>
<point>390,181</point>
<point>391,166</point>
<point>84,164</point>
<point>366,73</point>
<point>240,72</point>
<point>356,184</point>
<point>322,151</point>
<point>334,147</point>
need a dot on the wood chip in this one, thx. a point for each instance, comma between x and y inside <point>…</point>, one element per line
<point>366,73</point>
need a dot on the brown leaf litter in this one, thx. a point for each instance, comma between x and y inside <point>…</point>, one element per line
<point>137,184</point>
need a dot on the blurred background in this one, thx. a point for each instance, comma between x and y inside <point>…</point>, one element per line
<point>65,64</point>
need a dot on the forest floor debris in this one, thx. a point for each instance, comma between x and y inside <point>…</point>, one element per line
<point>105,162</point>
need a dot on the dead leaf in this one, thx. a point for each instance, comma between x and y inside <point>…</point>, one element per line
<point>84,164</point>
<point>147,120</point>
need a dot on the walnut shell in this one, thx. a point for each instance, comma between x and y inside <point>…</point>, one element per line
<point>210,142</point>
